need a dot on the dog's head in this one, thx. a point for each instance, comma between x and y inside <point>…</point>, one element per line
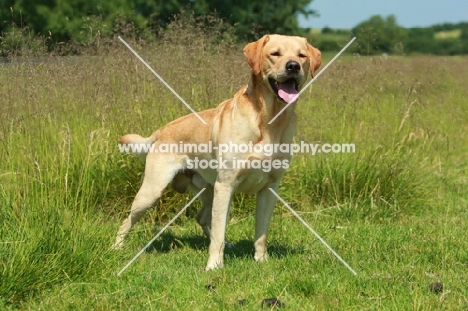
<point>284,62</point>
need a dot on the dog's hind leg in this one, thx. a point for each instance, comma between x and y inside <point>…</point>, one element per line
<point>159,172</point>
<point>223,191</point>
<point>204,215</point>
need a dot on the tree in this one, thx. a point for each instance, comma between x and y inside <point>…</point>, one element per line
<point>464,34</point>
<point>379,35</point>
<point>66,19</point>
<point>420,40</point>
<point>272,16</point>
<point>61,19</point>
<point>251,17</point>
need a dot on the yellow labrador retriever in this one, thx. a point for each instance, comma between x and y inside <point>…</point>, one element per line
<point>280,67</point>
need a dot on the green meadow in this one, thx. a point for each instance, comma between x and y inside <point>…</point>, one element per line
<point>395,210</point>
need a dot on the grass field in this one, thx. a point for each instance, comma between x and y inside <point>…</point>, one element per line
<point>396,210</point>
<point>453,34</point>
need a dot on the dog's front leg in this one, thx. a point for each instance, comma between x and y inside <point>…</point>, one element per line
<point>266,201</point>
<point>221,204</point>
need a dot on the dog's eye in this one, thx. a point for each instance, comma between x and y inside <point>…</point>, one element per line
<point>302,55</point>
<point>275,53</point>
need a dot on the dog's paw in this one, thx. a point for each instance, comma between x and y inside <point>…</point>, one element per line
<point>263,257</point>
<point>214,263</point>
<point>118,245</point>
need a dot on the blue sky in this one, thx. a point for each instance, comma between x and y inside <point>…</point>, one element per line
<point>409,13</point>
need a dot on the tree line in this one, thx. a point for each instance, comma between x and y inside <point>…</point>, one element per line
<point>62,21</point>
<point>383,35</point>
<point>379,35</point>
<point>45,24</point>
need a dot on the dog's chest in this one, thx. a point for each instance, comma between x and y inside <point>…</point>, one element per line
<point>265,164</point>
<point>260,174</point>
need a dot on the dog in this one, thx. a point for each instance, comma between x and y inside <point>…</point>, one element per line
<point>280,67</point>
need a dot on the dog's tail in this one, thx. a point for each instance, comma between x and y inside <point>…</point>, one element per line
<point>134,143</point>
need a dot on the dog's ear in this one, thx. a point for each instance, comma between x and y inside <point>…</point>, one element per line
<point>315,58</point>
<point>254,54</point>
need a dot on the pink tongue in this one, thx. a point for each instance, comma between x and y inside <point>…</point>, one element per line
<point>287,91</point>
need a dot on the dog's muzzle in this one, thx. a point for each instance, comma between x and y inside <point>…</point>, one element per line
<point>285,90</point>
<point>286,86</point>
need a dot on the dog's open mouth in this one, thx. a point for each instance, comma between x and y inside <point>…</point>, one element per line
<point>286,90</point>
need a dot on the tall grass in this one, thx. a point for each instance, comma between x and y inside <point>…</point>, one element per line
<point>62,177</point>
<point>387,110</point>
<point>65,187</point>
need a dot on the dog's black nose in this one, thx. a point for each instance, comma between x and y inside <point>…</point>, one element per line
<point>293,66</point>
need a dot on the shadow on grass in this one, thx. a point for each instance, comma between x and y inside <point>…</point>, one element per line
<point>238,249</point>
<point>168,241</point>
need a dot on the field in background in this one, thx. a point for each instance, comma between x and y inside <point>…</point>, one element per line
<point>380,35</point>
<point>396,210</point>
<point>341,35</point>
